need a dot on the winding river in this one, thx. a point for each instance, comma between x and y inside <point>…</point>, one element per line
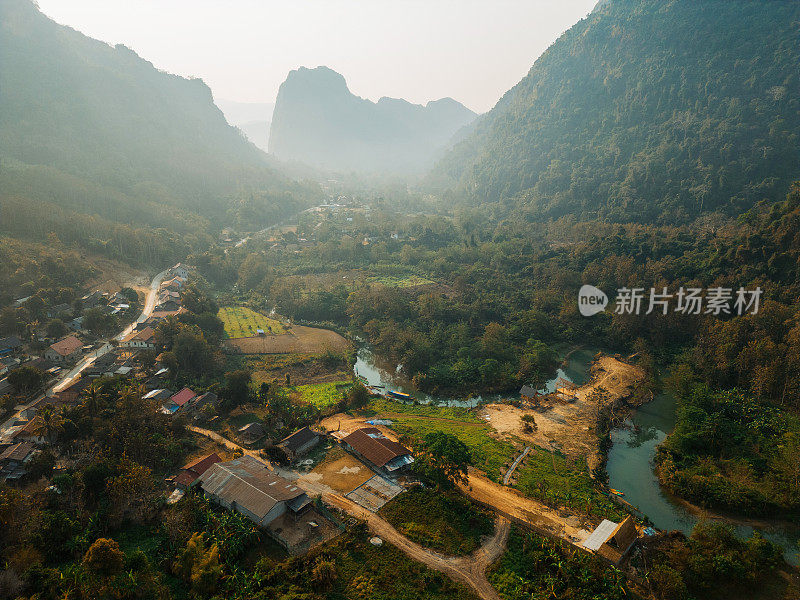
<point>630,460</point>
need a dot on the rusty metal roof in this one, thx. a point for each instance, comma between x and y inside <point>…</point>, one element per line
<point>17,452</point>
<point>374,446</point>
<point>67,346</point>
<point>248,483</point>
<point>202,464</point>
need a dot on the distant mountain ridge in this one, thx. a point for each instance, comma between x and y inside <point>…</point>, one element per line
<point>318,120</point>
<point>646,110</point>
<point>253,118</point>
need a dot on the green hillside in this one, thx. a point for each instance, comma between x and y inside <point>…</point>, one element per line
<point>104,149</point>
<point>647,110</point>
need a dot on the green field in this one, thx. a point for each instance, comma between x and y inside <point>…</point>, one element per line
<point>321,395</point>
<point>241,321</point>
<point>488,454</point>
<point>454,413</point>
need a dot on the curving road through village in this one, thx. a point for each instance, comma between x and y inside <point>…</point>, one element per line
<point>67,378</point>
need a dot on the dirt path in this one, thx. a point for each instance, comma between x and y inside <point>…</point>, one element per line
<point>572,426</point>
<point>223,441</point>
<point>515,464</point>
<point>508,502</point>
<point>470,570</point>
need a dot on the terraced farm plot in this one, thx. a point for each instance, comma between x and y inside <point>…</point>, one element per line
<point>403,281</point>
<point>297,339</point>
<point>242,322</point>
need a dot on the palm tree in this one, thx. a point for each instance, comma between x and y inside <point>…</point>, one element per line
<point>90,397</point>
<point>50,421</point>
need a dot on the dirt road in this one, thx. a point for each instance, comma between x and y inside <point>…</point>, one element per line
<point>470,570</point>
<point>509,502</point>
<point>223,441</point>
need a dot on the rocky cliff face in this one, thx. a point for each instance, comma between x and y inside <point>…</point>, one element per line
<point>317,120</point>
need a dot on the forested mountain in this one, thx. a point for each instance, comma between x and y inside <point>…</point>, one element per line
<point>102,148</point>
<point>647,110</point>
<point>317,120</point>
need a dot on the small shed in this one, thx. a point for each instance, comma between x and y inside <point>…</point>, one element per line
<point>193,470</point>
<point>300,442</point>
<point>612,541</point>
<point>252,432</point>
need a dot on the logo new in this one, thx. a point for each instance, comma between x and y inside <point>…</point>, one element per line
<point>591,300</point>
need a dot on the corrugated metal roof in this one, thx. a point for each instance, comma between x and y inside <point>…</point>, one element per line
<point>201,465</point>
<point>298,439</point>
<point>599,536</point>
<point>374,446</point>
<point>248,483</point>
<point>183,396</point>
<point>18,452</point>
<point>67,346</point>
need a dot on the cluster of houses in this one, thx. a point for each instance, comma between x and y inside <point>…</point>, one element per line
<point>169,300</point>
<point>277,503</point>
<point>20,436</point>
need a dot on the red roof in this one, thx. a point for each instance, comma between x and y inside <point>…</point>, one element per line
<point>184,396</point>
<point>67,346</point>
<point>194,469</point>
<point>200,465</point>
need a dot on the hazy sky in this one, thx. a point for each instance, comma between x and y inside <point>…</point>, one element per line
<point>419,50</point>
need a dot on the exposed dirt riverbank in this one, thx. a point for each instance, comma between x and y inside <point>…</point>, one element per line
<point>571,427</point>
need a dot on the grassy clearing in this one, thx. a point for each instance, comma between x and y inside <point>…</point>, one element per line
<point>241,321</point>
<point>417,420</point>
<point>568,484</point>
<point>320,395</point>
<point>488,454</point>
<point>403,281</point>
<point>446,522</point>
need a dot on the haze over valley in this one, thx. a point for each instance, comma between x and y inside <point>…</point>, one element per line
<point>434,301</point>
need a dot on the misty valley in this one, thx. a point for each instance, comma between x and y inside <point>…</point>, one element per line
<point>327,347</point>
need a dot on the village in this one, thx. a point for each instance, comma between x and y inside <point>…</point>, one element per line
<point>304,488</point>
